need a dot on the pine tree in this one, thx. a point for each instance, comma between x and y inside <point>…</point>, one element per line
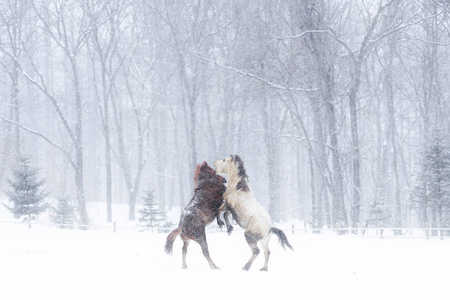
<point>27,201</point>
<point>378,210</point>
<point>431,192</point>
<point>151,215</point>
<point>419,195</point>
<point>63,213</point>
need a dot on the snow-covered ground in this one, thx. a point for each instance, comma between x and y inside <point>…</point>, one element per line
<point>63,264</point>
<point>46,263</point>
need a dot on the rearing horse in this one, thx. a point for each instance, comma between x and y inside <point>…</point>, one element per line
<point>201,211</point>
<point>246,211</point>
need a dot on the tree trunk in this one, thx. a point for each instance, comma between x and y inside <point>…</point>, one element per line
<point>314,207</point>
<point>79,160</point>
<point>161,143</point>
<point>392,127</point>
<point>15,101</point>
<point>356,155</point>
<point>339,214</point>
<point>181,189</point>
<point>106,129</point>
<point>320,49</point>
<point>270,140</point>
<point>319,183</point>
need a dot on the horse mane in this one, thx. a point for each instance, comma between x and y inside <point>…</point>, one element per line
<point>208,171</point>
<point>197,171</point>
<point>242,184</point>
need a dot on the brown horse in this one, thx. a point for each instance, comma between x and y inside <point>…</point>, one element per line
<point>201,211</point>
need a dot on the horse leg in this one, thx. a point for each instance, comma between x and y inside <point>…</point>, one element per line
<point>204,245</point>
<point>227,222</point>
<point>252,240</point>
<point>265,246</point>
<point>185,247</point>
<point>219,221</point>
<point>224,207</point>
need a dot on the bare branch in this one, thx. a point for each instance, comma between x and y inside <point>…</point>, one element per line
<point>431,42</point>
<point>301,34</point>
<point>42,86</point>
<point>245,73</point>
<point>37,133</point>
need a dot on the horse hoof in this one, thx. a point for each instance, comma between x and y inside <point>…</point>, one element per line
<point>221,224</point>
<point>230,229</point>
<point>264,269</point>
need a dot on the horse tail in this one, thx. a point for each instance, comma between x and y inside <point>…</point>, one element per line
<point>170,239</point>
<point>281,237</point>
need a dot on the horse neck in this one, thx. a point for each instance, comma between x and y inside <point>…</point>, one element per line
<point>233,177</point>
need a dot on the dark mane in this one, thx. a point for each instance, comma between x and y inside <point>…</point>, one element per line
<point>242,184</point>
<point>204,172</point>
<point>197,171</point>
<point>240,166</point>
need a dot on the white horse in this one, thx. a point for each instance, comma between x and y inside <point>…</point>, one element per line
<point>246,211</point>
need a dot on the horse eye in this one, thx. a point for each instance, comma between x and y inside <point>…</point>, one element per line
<point>224,159</point>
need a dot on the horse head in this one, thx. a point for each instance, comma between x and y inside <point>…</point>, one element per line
<point>205,172</point>
<point>224,165</point>
<point>234,164</point>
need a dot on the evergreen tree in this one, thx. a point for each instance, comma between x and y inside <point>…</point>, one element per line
<point>378,209</point>
<point>151,215</point>
<point>26,199</point>
<point>63,213</point>
<point>419,195</point>
<point>431,192</point>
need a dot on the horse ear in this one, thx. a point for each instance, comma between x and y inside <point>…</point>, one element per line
<point>204,164</point>
<point>232,157</point>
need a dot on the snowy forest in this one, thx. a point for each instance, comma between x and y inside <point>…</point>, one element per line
<point>338,108</point>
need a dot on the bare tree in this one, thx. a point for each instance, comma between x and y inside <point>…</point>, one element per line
<point>106,20</point>
<point>70,34</point>
<point>350,88</point>
<point>15,30</point>
<point>135,105</point>
<point>190,31</point>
